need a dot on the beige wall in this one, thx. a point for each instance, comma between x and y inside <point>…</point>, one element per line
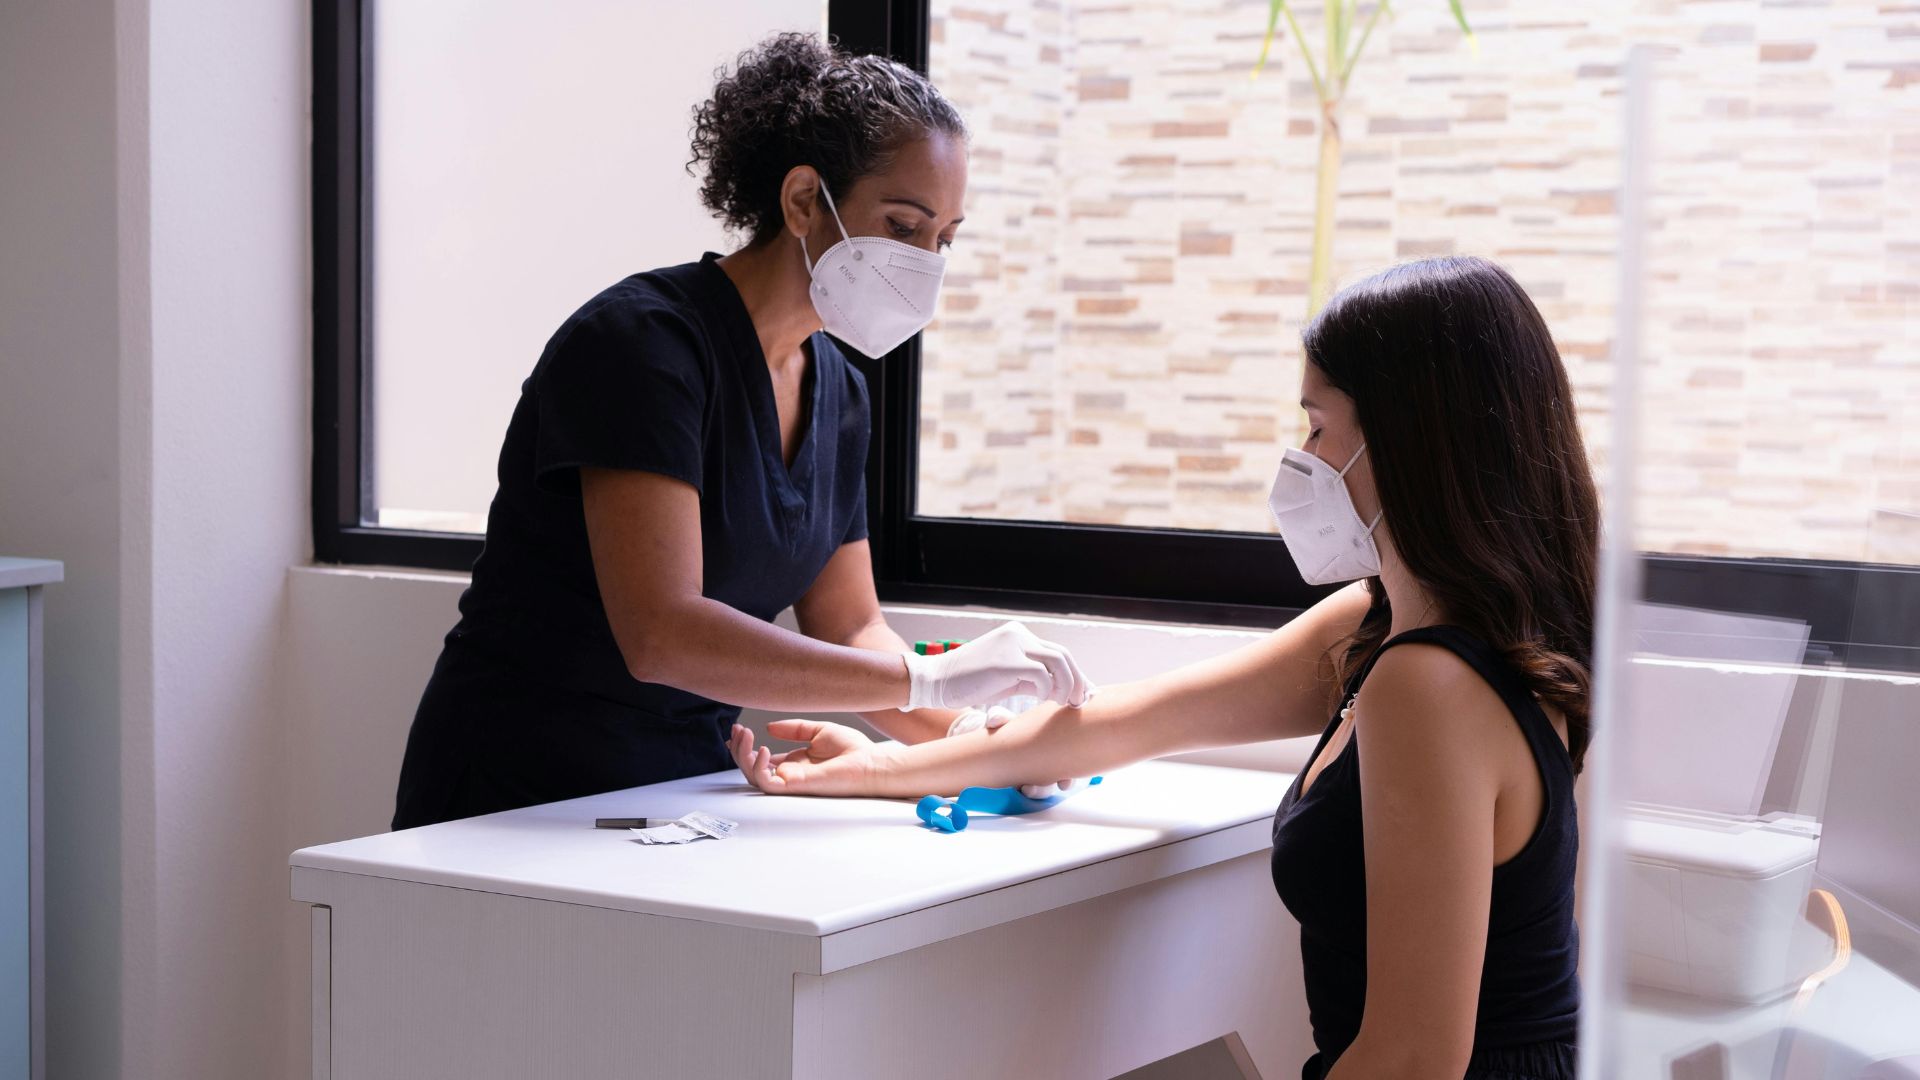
<point>1119,341</point>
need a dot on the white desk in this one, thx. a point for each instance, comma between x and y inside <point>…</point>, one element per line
<point>827,938</point>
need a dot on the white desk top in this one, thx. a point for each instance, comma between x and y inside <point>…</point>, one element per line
<point>20,573</point>
<point>803,865</point>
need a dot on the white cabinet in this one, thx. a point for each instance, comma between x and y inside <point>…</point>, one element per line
<point>827,938</point>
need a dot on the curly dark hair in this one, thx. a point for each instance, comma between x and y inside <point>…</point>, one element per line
<point>795,100</point>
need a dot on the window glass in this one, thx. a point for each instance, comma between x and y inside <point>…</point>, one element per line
<point>524,157</point>
<point>1119,337</point>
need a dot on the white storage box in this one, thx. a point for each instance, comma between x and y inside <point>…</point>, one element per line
<point>1715,892</point>
<point>1715,905</point>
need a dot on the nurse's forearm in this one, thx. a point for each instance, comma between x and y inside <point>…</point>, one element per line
<point>705,647</point>
<point>917,726</point>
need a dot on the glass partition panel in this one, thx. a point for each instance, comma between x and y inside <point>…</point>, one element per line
<point>1753,867</point>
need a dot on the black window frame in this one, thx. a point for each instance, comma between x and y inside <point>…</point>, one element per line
<point>1861,614</point>
<point>342,302</point>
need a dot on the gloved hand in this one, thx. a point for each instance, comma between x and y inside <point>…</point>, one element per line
<point>991,719</point>
<point>1007,661</point>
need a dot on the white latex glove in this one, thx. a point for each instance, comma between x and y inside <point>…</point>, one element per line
<point>991,719</point>
<point>1007,661</point>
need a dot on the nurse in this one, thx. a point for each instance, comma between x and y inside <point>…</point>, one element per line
<point>688,459</point>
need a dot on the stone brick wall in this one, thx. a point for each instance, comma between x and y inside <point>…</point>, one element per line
<point>1119,337</point>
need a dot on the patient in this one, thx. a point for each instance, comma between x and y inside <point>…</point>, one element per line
<point>1428,848</point>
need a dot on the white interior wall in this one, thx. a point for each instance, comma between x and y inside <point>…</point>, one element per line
<point>230,258</point>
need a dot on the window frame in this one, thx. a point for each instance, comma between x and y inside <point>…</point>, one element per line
<point>342,302</point>
<point>1858,613</point>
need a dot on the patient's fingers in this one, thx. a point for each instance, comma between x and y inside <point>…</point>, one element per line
<point>740,743</point>
<point>765,776</point>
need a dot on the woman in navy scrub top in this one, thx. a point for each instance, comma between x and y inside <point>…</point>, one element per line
<point>688,460</point>
<point>1428,848</point>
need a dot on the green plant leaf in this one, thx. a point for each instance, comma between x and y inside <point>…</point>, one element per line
<point>1341,12</point>
<point>1319,85</point>
<point>1275,9</point>
<point>1366,32</point>
<point>1266,43</point>
<point>1460,16</point>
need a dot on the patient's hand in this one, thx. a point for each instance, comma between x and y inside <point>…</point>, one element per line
<point>836,760</point>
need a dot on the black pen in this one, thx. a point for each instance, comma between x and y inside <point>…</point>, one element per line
<point>631,822</point>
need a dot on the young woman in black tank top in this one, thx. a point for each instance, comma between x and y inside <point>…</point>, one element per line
<point>1428,848</point>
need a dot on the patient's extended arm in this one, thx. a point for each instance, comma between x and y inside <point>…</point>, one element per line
<point>1274,688</point>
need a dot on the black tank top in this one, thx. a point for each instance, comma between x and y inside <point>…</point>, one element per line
<point>1529,990</point>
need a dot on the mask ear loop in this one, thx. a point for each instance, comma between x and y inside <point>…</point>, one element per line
<point>835,211</point>
<point>1377,514</point>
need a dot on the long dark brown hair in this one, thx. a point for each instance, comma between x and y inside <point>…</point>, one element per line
<point>1477,458</point>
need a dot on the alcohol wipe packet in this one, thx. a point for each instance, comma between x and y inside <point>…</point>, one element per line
<point>691,827</point>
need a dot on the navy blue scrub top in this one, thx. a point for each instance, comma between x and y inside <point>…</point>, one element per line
<point>663,372</point>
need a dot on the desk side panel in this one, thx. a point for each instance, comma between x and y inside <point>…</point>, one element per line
<point>916,929</point>
<point>1091,990</point>
<point>430,982</point>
